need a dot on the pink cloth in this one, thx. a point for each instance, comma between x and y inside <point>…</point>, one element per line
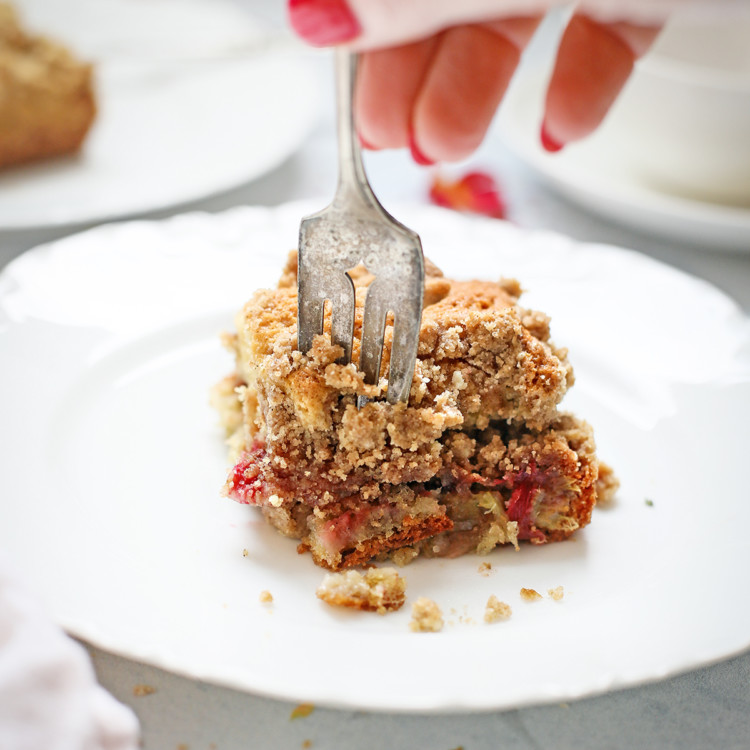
<point>386,23</point>
<point>49,696</point>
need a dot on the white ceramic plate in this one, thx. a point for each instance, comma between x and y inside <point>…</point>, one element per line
<point>596,174</point>
<point>112,463</point>
<point>192,102</point>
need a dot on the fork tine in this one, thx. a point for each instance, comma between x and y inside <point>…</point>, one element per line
<point>309,317</point>
<point>403,353</point>
<point>314,288</point>
<point>373,328</point>
<point>342,315</point>
<point>405,308</point>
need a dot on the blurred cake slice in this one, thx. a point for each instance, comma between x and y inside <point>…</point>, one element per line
<point>480,456</point>
<point>46,95</point>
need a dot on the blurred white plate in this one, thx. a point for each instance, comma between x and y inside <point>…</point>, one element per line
<point>112,463</point>
<point>595,174</point>
<point>193,100</point>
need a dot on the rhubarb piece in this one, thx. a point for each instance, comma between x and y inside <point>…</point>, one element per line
<point>476,192</point>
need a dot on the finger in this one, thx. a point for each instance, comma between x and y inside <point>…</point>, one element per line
<point>465,82</point>
<point>369,24</point>
<point>387,87</point>
<point>594,61</point>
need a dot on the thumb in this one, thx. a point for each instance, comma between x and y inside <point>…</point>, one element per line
<point>368,24</point>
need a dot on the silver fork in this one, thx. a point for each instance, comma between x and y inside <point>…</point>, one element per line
<point>355,229</point>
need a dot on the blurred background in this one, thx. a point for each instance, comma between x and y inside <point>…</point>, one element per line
<point>217,103</point>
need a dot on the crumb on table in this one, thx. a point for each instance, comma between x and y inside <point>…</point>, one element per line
<point>426,616</point>
<point>495,611</point>
<point>141,690</point>
<point>530,595</point>
<point>302,711</point>
<point>556,593</point>
<point>266,597</point>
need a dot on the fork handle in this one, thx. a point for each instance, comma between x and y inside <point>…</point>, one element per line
<point>352,178</point>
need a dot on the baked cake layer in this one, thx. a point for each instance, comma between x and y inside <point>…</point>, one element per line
<point>480,456</point>
<point>46,95</point>
<point>498,485</point>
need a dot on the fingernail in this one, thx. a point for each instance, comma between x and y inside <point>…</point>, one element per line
<point>548,142</point>
<point>417,155</point>
<point>323,22</point>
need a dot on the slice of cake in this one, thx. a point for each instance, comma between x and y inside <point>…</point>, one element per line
<point>46,95</point>
<point>480,456</point>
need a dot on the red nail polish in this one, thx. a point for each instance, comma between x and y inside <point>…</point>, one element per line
<point>323,22</point>
<point>548,142</point>
<point>417,155</point>
<point>366,144</point>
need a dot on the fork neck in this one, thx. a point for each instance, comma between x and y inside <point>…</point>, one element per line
<point>352,177</point>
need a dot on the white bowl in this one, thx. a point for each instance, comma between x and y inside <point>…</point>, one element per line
<point>684,117</point>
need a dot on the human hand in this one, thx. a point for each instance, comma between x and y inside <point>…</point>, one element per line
<point>433,72</point>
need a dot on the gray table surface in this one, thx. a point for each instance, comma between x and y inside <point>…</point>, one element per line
<point>709,707</point>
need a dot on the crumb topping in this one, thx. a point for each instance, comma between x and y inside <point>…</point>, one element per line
<point>481,357</point>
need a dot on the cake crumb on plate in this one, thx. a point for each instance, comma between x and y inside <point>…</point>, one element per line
<point>496,610</point>
<point>556,593</point>
<point>530,595</point>
<point>485,568</point>
<point>378,590</point>
<point>426,616</point>
<point>607,484</point>
<point>266,597</point>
